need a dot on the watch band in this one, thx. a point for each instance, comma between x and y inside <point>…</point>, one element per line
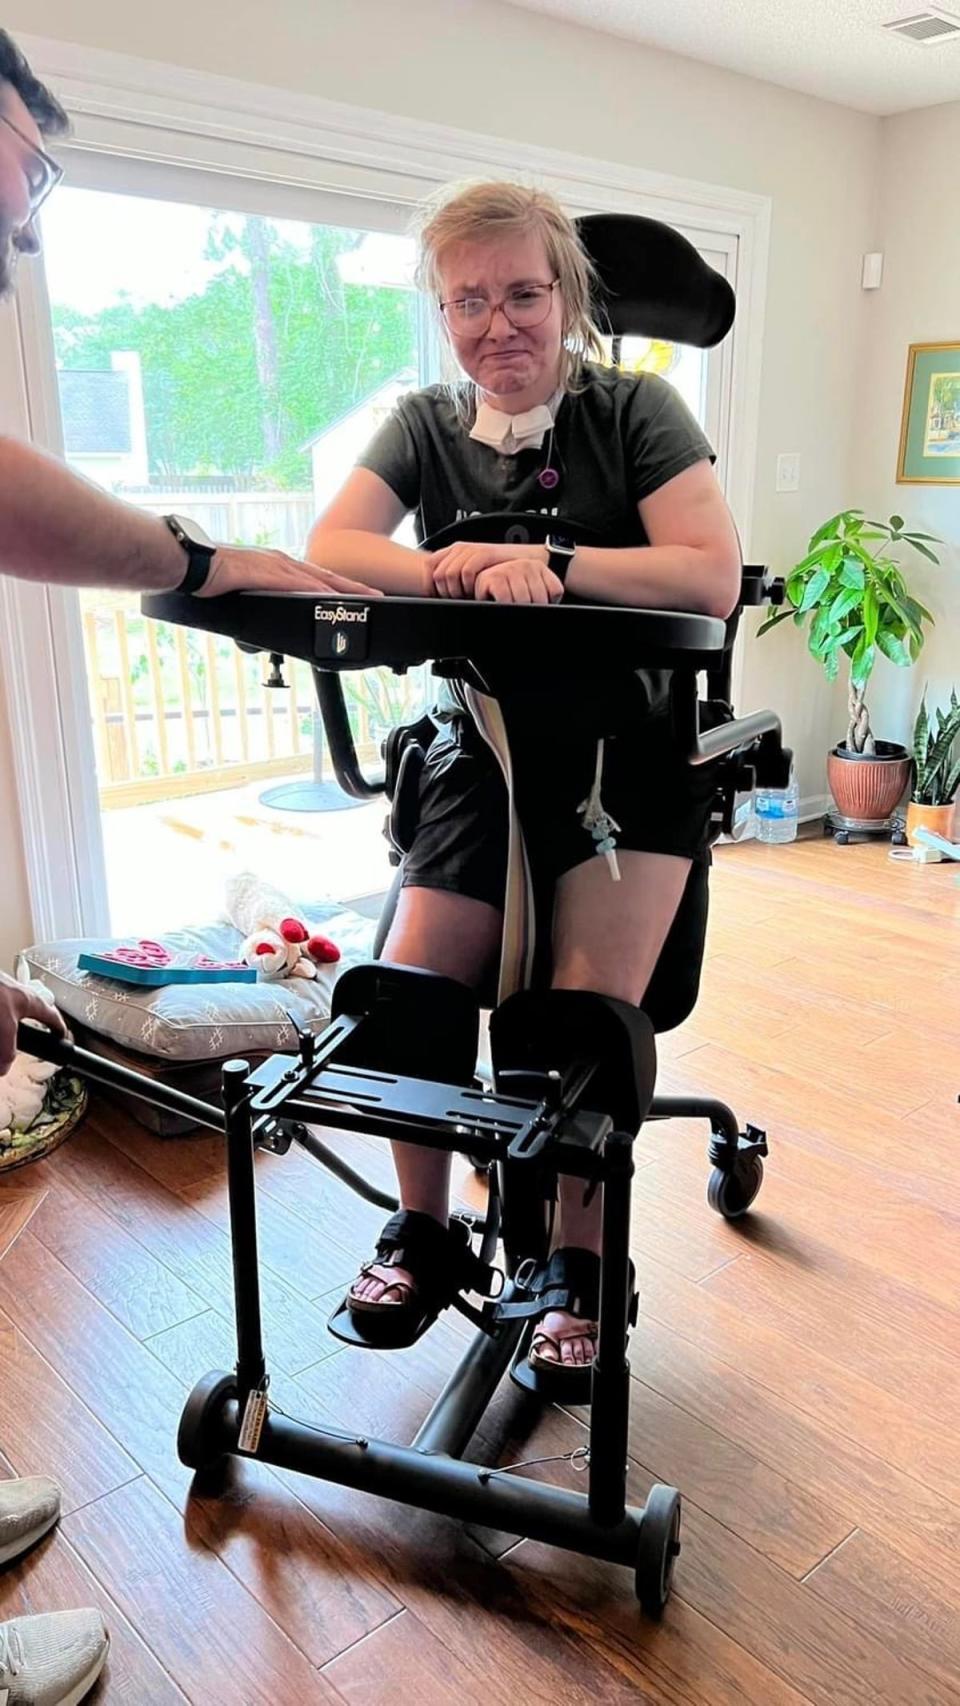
<point>560,554</point>
<point>199,557</point>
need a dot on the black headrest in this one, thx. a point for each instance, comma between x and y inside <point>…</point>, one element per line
<point>655,283</point>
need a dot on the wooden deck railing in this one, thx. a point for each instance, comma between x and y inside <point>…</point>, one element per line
<point>177,712</point>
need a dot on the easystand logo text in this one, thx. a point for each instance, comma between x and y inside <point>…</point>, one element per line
<point>341,613</point>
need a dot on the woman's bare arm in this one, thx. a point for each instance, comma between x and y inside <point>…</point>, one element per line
<point>352,537</point>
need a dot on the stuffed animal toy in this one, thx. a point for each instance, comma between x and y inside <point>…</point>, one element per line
<point>288,952</point>
<point>276,942</point>
<point>24,1087</point>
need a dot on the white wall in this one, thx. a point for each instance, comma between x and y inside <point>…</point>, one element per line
<point>483,66</point>
<point>919,302</point>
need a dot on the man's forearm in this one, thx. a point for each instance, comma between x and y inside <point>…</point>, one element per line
<point>369,557</point>
<point>55,526</point>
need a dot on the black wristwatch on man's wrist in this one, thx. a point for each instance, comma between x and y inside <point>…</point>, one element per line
<point>560,554</point>
<point>199,549</point>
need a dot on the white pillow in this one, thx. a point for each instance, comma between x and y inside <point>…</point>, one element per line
<point>183,1021</point>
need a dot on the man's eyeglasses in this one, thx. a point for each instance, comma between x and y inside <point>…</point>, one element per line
<point>472,316</point>
<point>42,172</point>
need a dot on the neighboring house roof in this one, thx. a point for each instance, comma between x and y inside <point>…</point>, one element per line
<point>385,393</point>
<point>95,404</point>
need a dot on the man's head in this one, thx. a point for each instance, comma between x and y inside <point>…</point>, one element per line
<point>28,114</point>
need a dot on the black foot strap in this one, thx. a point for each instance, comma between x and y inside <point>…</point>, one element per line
<point>569,1280</point>
<point>442,1263</point>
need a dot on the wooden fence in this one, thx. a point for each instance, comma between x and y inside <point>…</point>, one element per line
<point>180,712</point>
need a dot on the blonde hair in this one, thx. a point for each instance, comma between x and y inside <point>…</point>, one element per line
<point>488,211</point>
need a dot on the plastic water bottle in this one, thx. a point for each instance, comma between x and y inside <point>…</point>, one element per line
<point>776,812</point>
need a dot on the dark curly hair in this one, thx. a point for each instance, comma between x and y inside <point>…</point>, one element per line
<point>40,104</point>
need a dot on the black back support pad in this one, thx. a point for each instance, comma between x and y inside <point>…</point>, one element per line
<point>654,283</point>
<point>549,1030</point>
<point>415,1023</point>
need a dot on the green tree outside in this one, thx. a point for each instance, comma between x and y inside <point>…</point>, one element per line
<point>273,350</point>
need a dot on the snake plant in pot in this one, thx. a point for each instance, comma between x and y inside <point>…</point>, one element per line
<point>936,772</point>
<point>852,590</point>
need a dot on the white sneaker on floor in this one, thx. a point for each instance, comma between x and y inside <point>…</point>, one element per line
<point>28,1507</point>
<point>52,1660</point>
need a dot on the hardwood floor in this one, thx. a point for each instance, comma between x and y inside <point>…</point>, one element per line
<point>798,1377</point>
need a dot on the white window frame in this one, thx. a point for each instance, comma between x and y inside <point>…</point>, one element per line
<point>149,128</point>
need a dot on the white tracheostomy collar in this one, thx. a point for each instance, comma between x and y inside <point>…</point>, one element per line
<point>511,433</point>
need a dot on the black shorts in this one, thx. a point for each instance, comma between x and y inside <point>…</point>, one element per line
<point>662,803</point>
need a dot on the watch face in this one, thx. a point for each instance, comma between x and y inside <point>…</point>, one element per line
<point>560,542</point>
<point>193,531</point>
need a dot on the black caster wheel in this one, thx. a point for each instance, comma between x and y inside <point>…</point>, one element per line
<point>658,1548</point>
<point>841,837</point>
<point>731,1193</point>
<point>200,1433</point>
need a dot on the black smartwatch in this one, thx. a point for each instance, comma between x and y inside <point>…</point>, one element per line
<point>199,549</point>
<point>560,554</point>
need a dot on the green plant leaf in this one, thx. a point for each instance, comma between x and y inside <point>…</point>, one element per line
<point>896,522</point>
<point>852,574</point>
<point>952,784</point>
<point>903,611</point>
<point>938,758</point>
<point>924,550</point>
<point>829,528</point>
<point>810,560</point>
<point>772,621</point>
<point>862,662</point>
<point>921,729</point>
<point>871,616</point>
<point>842,639</point>
<point>831,664</point>
<point>892,647</point>
<point>918,611</point>
<point>843,602</point>
<point>814,588</point>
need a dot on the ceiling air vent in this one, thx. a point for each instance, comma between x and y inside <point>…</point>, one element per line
<point>928,28</point>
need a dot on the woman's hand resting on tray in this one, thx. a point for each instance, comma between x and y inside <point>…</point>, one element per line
<point>507,574</point>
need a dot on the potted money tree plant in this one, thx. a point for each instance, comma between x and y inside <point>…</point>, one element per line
<point>852,591</point>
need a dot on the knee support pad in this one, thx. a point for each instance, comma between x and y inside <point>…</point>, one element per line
<point>551,1030</point>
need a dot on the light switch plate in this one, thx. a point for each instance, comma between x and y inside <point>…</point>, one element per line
<point>788,472</point>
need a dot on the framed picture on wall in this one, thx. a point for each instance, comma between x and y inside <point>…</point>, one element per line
<point>930,433</point>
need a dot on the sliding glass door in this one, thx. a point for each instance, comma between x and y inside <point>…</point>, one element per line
<point>224,364</point>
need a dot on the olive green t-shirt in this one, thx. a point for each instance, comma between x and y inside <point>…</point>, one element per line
<point>614,443</point>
